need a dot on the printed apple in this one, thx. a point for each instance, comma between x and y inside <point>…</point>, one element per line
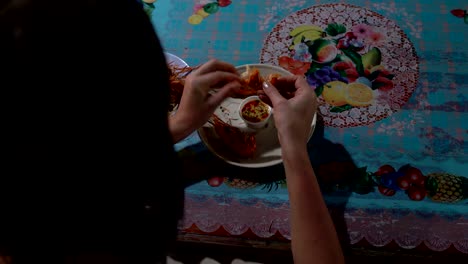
<point>414,175</point>
<point>403,183</point>
<point>215,181</point>
<point>386,191</point>
<point>384,170</point>
<point>416,193</point>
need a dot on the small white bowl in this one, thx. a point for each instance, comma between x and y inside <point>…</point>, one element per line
<point>260,108</point>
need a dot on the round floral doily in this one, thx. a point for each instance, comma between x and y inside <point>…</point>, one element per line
<point>362,65</point>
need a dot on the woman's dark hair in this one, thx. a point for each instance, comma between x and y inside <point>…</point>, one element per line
<point>90,165</point>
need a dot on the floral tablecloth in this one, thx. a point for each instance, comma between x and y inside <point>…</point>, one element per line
<point>392,80</point>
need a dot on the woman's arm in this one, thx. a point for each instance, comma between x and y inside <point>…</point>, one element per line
<point>314,238</point>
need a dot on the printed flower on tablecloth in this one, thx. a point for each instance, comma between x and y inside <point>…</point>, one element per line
<point>345,64</point>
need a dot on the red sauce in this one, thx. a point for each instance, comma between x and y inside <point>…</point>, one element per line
<point>255,111</point>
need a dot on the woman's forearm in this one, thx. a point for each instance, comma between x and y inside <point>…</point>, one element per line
<point>314,238</point>
<point>178,128</point>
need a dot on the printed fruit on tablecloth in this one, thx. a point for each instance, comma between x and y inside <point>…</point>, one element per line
<point>403,183</point>
<point>305,33</point>
<point>211,8</point>
<point>346,55</point>
<point>460,13</point>
<point>384,170</point>
<point>215,181</point>
<point>358,94</point>
<point>372,58</point>
<point>386,191</point>
<point>334,93</point>
<point>363,183</point>
<point>413,182</point>
<point>323,50</point>
<point>389,180</point>
<point>266,183</point>
<point>324,76</point>
<point>342,37</point>
<point>407,178</point>
<point>224,3</point>
<point>386,179</point>
<point>240,183</point>
<point>416,193</point>
<point>195,19</point>
<point>445,187</point>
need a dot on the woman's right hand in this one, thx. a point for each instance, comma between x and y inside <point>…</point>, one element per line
<point>313,236</point>
<point>293,117</point>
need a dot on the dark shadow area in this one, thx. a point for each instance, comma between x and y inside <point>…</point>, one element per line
<point>194,252</point>
<point>336,172</point>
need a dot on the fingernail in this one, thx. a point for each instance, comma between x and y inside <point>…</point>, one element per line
<point>266,85</point>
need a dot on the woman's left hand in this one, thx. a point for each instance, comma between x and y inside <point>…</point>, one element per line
<point>198,103</point>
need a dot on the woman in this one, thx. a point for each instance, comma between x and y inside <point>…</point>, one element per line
<point>86,88</point>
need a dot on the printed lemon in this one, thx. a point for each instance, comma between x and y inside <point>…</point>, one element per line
<point>202,13</point>
<point>333,93</point>
<point>195,19</point>
<point>358,94</point>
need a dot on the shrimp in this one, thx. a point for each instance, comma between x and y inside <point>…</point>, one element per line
<point>241,143</point>
<point>251,83</point>
<point>177,81</point>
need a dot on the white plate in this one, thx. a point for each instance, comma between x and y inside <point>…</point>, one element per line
<point>171,58</point>
<point>268,151</point>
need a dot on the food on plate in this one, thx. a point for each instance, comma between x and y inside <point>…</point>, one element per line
<point>177,76</point>
<point>253,83</point>
<point>241,143</point>
<point>255,111</point>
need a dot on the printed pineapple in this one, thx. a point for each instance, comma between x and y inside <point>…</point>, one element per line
<point>447,188</point>
<point>248,184</point>
<point>240,183</point>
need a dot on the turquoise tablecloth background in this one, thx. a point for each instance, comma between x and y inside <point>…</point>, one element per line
<point>430,131</point>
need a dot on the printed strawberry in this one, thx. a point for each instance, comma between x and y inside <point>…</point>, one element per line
<point>342,44</point>
<point>352,74</point>
<point>460,13</point>
<point>224,3</point>
<point>350,35</point>
<point>382,83</point>
<point>343,65</point>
